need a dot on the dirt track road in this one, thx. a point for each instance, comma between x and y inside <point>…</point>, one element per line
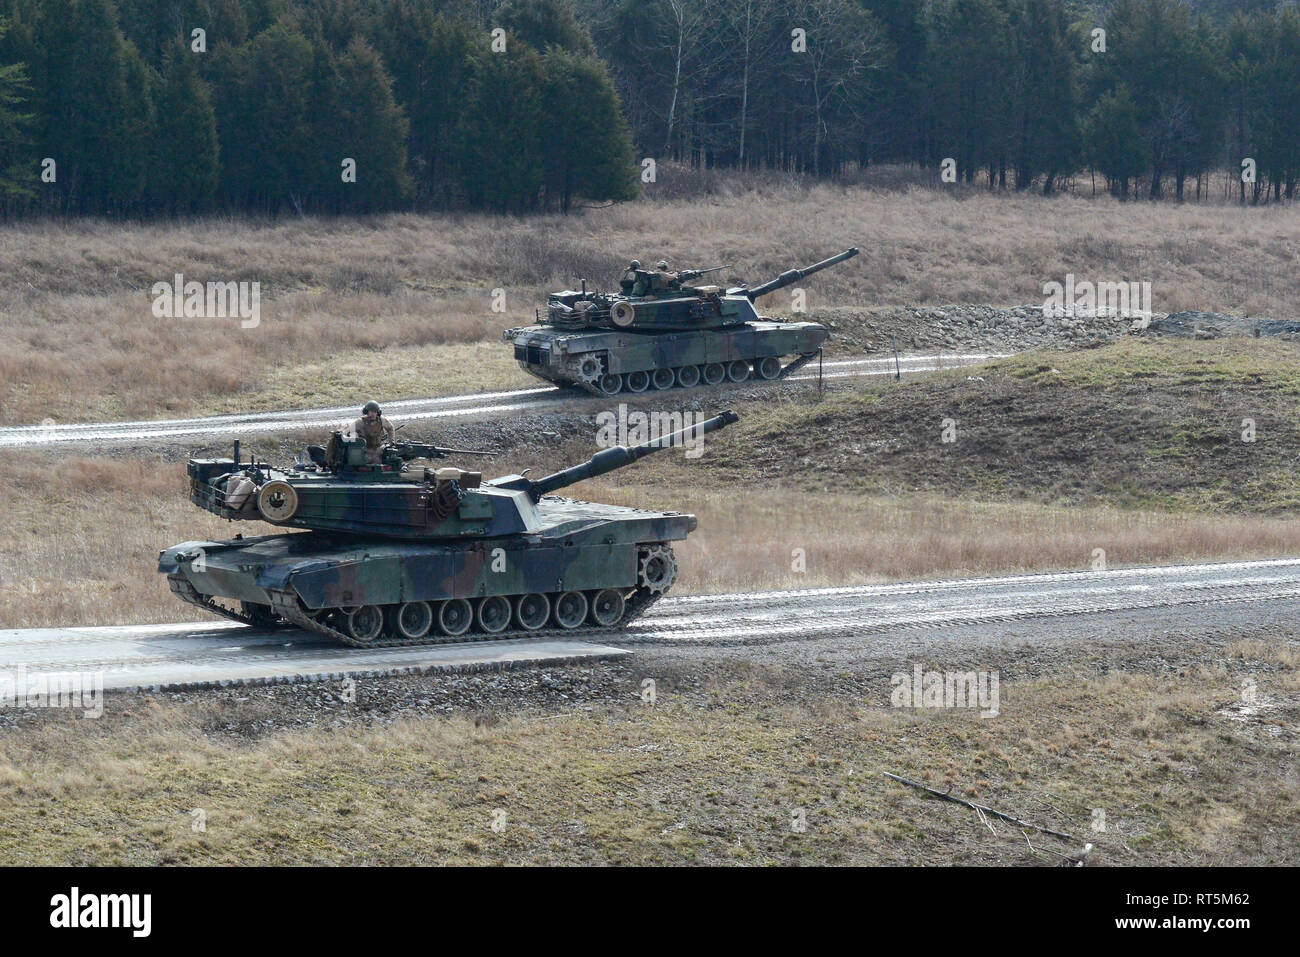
<point>923,619</point>
<point>409,410</point>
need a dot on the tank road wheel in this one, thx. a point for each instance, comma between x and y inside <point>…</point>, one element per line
<point>606,608</point>
<point>364,623</point>
<point>638,381</point>
<point>493,614</point>
<point>663,378</point>
<point>688,376</point>
<point>611,383</point>
<point>570,609</point>
<point>413,619</point>
<point>738,371</point>
<point>657,569</point>
<point>455,616</point>
<point>531,611</point>
<point>714,373</point>
<point>769,367</point>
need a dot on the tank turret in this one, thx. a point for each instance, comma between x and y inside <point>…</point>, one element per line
<point>397,550</point>
<point>663,329</point>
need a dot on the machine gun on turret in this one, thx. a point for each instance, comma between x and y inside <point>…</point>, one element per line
<point>690,275</point>
<point>421,450</point>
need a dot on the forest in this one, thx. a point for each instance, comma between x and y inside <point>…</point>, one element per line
<point>144,108</point>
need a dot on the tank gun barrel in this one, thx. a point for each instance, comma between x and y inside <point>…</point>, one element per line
<point>794,275</point>
<point>608,460</point>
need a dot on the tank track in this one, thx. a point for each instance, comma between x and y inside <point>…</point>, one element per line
<point>595,389</point>
<point>286,605</point>
<point>186,592</point>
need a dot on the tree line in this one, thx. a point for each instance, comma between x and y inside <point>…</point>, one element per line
<point>1018,93</point>
<point>140,107</point>
<point>161,107</point>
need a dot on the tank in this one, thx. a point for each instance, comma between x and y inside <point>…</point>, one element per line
<point>664,329</point>
<point>400,552</point>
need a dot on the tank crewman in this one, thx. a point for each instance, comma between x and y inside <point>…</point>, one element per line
<point>653,282</point>
<point>375,429</point>
<point>665,278</point>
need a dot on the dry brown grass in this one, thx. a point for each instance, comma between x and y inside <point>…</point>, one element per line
<point>81,343</point>
<point>747,540</point>
<point>704,778</point>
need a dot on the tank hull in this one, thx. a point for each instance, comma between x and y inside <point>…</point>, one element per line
<point>585,358</point>
<point>586,548</point>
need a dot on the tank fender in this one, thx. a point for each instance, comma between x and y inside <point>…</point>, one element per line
<point>276,576</point>
<point>172,560</point>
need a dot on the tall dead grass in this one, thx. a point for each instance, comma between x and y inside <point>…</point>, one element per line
<point>779,539</point>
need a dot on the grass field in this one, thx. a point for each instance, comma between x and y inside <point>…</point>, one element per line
<point>1171,425</point>
<point>718,775</point>
<point>1137,450</point>
<point>1134,449</point>
<point>346,304</point>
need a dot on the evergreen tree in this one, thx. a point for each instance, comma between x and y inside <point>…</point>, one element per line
<point>588,148</point>
<point>96,114</point>
<point>373,132</point>
<point>263,122</point>
<point>1116,146</point>
<point>500,131</point>
<point>183,176</point>
<point>544,25</point>
<point>971,86</point>
<point>1046,133</point>
<point>17,170</point>
<point>429,59</point>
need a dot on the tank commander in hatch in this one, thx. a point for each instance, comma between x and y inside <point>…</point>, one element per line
<point>649,282</point>
<point>375,429</point>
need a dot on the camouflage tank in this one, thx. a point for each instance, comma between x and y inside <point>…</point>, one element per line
<point>399,552</point>
<point>662,329</point>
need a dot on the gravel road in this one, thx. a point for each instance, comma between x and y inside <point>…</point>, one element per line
<point>961,618</point>
<point>450,407</point>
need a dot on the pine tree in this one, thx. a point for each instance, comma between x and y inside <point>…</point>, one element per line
<point>1046,133</point>
<point>183,176</point>
<point>373,132</point>
<point>500,134</point>
<point>970,87</point>
<point>17,169</point>
<point>580,97</point>
<point>263,124</point>
<point>96,114</point>
<point>428,57</point>
<point>545,25</point>
<point>1115,144</point>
